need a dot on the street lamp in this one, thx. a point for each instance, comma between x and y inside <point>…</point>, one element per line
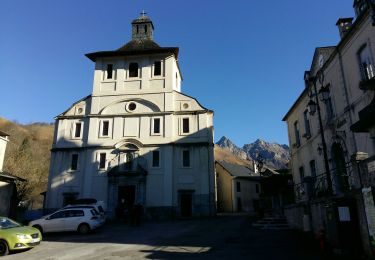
<point>314,106</point>
<point>324,93</point>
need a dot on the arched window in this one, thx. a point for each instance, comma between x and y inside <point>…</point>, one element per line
<point>133,70</point>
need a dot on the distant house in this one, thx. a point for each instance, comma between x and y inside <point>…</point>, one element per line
<point>277,191</point>
<point>8,194</point>
<point>238,188</point>
<point>8,190</point>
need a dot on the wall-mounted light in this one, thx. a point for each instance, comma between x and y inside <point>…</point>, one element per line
<point>312,107</point>
<point>324,93</point>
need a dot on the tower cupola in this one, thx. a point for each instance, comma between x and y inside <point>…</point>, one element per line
<point>142,28</point>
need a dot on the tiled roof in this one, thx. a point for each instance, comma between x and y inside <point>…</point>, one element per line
<point>237,170</point>
<point>3,133</point>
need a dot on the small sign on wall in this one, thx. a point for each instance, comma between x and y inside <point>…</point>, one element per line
<point>344,214</point>
<point>371,166</point>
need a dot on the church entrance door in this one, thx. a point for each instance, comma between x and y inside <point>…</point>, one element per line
<point>186,201</point>
<point>126,196</point>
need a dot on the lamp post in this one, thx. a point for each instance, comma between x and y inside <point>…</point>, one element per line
<point>314,106</point>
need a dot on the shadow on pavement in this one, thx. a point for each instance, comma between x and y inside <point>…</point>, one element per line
<point>224,237</point>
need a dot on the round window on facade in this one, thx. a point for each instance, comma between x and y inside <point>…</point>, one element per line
<point>80,110</point>
<point>132,106</point>
<point>185,105</point>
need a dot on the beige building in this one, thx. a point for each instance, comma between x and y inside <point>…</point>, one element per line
<point>238,188</point>
<point>137,139</point>
<point>328,169</point>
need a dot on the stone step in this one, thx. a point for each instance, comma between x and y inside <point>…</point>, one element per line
<point>272,223</point>
<point>273,218</point>
<point>272,227</point>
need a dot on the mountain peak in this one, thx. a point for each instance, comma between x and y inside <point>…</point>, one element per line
<point>275,155</point>
<point>223,139</point>
<point>259,141</point>
<point>226,143</point>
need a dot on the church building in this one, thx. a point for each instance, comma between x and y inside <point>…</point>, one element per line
<point>136,139</point>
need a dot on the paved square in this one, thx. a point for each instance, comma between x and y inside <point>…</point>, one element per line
<point>226,237</point>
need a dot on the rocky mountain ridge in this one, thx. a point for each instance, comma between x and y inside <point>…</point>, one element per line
<point>275,155</point>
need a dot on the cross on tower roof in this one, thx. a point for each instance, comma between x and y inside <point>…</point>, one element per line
<point>143,13</point>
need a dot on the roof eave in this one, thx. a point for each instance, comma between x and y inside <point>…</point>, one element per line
<point>285,118</point>
<point>94,55</point>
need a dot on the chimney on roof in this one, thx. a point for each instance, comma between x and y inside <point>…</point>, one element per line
<point>344,25</point>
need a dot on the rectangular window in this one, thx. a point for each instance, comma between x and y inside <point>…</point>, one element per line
<point>185,158</point>
<point>257,188</point>
<point>77,130</point>
<point>329,108</point>
<point>312,168</point>
<point>301,173</point>
<point>185,125</point>
<point>296,134</point>
<point>105,128</point>
<point>238,186</point>
<point>157,68</point>
<point>109,71</point>
<point>102,160</point>
<point>74,162</point>
<point>366,64</point>
<point>307,124</point>
<point>68,198</point>
<point>156,129</point>
<point>133,70</point>
<point>155,159</point>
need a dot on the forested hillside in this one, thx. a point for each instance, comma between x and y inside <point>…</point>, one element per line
<point>27,156</point>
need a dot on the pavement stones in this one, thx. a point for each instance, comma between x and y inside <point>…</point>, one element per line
<point>224,237</point>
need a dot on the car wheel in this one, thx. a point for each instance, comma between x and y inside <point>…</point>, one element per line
<point>84,229</point>
<point>39,228</point>
<point>4,249</point>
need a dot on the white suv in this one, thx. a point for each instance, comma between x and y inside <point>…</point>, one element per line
<point>78,219</point>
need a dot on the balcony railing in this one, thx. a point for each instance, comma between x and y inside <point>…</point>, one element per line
<point>317,187</point>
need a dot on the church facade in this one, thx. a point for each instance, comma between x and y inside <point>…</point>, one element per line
<point>136,139</point>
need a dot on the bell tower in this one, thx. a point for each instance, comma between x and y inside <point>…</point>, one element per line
<point>142,28</point>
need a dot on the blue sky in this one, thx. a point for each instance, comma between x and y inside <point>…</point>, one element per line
<point>243,59</point>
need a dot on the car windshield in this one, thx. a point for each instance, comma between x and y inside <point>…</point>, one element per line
<point>8,223</point>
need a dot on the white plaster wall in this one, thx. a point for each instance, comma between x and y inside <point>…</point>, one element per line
<point>154,97</point>
<point>3,144</point>
<point>146,82</point>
